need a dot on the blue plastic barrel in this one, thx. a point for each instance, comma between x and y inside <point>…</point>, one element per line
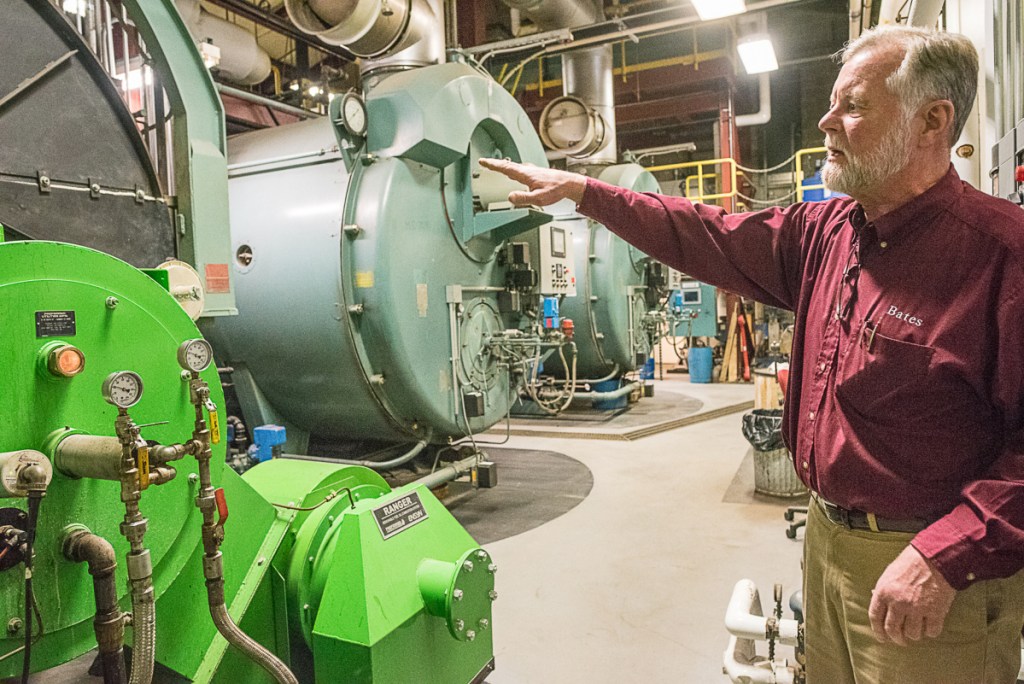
<point>647,370</point>
<point>700,362</point>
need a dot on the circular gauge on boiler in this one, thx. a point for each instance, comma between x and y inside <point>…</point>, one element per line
<point>195,355</point>
<point>123,389</point>
<point>353,113</point>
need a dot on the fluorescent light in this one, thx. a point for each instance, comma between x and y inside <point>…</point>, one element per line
<point>757,54</point>
<point>74,7</point>
<point>716,9</point>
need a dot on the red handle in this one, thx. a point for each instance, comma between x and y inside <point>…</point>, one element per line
<point>222,505</point>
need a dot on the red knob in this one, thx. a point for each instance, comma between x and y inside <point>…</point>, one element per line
<point>568,328</point>
<point>1019,174</point>
<point>222,505</point>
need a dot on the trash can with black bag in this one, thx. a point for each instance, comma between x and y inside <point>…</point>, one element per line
<point>773,466</point>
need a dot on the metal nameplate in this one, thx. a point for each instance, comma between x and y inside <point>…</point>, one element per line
<point>55,324</point>
<point>399,515</point>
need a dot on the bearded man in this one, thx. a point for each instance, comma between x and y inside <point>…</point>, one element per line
<point>905,406</point>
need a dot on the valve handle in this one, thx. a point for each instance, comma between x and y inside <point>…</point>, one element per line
<point>222,506</point>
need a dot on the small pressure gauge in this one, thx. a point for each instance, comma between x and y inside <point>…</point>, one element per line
<point>353,113</point>
<point>195,355</point>
<point>123,389</point>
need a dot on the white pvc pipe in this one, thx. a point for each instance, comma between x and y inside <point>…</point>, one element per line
<point>743,617</point>
<point>737,665</point>
<point>242,60</point>
<point>925,13</point>
<point>764,113</point>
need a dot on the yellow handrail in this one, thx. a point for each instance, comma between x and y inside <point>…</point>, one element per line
<point>700,175</point>
<point>800,187</point>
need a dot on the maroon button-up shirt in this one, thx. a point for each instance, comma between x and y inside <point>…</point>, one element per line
<point>910,402</point>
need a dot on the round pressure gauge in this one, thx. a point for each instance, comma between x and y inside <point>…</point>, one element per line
<point>195,355</point>
<point>353,113</point>
<point>122,389</point>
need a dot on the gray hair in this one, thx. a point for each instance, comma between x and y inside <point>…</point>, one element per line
<point>937,65</point>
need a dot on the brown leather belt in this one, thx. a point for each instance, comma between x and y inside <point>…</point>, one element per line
<point>859,520</point>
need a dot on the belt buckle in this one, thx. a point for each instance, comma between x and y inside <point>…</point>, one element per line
<point>844,517</point>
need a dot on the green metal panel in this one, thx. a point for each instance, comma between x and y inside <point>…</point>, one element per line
<point>200,148</point>
<point>141,333</point>
<point>346,334</point>
<point>357,597</point>
<point>609,309</point>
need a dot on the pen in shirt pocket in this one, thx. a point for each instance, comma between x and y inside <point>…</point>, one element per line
<point>867,333</point>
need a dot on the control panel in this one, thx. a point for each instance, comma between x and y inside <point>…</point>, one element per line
<point>555,266</point>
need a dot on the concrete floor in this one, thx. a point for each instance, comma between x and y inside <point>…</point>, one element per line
<point>631,585</point>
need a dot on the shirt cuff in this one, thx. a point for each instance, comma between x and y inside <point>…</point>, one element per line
<point>949,550</point>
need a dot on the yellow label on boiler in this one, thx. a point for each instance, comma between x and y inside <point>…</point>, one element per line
<point>214,427</point>
<point>364,278</point>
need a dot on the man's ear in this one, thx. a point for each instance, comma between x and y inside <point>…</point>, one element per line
<point>938,122</point>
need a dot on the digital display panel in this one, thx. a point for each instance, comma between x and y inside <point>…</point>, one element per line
<point>558,242</point>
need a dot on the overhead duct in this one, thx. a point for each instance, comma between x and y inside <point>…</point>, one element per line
<point>242,60</point>
<point>925,12</point>
<point>586,78</point>
<point>399,33</point>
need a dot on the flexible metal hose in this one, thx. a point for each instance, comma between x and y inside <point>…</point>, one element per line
<point>144,628</point>
<point>242,641</point>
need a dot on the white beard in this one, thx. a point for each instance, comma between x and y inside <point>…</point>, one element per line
<point>871,170</point>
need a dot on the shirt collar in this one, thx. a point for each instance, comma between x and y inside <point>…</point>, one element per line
<point>917,212</point>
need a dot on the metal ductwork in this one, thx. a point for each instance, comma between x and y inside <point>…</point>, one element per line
<point>556,14</point>
<point>242,60</point>
<point>586,78</point>
<point>390,33</point>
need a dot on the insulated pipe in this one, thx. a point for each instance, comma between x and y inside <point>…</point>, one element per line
<point>549,14</point>
<point>267,102</point>
<point>449,472</point>
<point>764,113</point>
<point>428,23</point>
<point>743,618</point>
<point>393,463</point>
<point>82,546</point>
<point>609,396</point>
<point>242,60</point>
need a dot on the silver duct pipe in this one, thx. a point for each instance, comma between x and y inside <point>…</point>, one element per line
<point>586,74</point>
<point>554,14</point>
<point>925,13</point>
<point>390,33</point>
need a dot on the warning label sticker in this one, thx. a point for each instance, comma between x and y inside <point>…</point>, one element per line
<point>399,515</point>
<point>55,324</point>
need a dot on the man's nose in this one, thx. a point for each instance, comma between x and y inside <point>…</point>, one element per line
<point>829,121</point>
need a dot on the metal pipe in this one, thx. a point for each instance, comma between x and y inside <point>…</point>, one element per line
<point>925,12</point>
<point>393,463</point>
<point>267,102</point>
<point>213,535</point>
<point>82,546</point>
<point>764,113</point>
<point>449,472</point>
<point>609,396</point>
<point>549,14</point>
<point>587,74</point>
<point>738,662</point>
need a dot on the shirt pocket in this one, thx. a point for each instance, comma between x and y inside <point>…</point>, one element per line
<point>884,379</point>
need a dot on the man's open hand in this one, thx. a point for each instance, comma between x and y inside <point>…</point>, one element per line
<point>910,600</point>
<point>546,186</point>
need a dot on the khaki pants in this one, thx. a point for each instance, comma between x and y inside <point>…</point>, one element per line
<point>980,642</point>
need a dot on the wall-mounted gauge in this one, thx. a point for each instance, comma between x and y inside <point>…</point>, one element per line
<point>195,355</point>
<point>352,114</point>
<point>123,389</point>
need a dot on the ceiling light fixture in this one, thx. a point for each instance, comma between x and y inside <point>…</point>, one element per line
<point>716,9</point>
<point>757,54</point>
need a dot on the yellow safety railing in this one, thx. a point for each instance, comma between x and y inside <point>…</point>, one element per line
<point>728,167</point>
<point>699,179</point>
<point>800,187</point>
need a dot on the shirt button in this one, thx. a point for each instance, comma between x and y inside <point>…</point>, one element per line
<point>821,366</point>
<point>883,244</point>
<point>810,416</point>
<point>806,465</point>
<point>971,577</point>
